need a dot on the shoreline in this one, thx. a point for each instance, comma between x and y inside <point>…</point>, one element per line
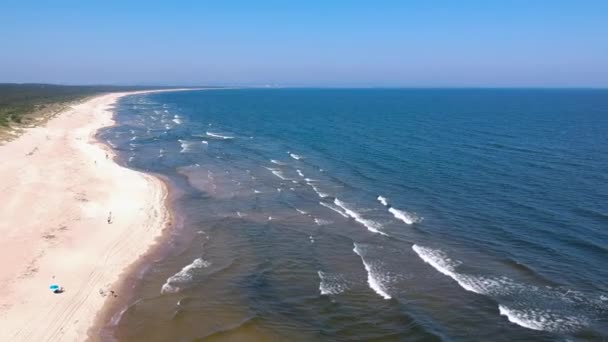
<point>111,312</point>
<point>73,216</point>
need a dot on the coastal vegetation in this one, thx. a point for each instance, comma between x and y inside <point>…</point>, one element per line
<point>28,104</point>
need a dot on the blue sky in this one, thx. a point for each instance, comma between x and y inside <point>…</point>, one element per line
<point>465,43</point>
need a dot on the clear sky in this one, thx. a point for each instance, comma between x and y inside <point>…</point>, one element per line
<point>415,43</point>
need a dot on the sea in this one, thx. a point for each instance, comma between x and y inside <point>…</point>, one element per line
<point>371,215</point>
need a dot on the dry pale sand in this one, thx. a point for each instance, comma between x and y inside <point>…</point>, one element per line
<point>57,188</point>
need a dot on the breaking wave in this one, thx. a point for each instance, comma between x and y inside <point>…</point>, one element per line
<point>539,308</point>
<point>277,173</point>
<point>317,190</point>
<point>407,218</point>
<point>376,280</point>
<point>402,215</point>
<point>542,319</point>
<point>372,226</point>
<point>295,156</point>
<point>322,222</point>
<point>331,284</point>
<point>218,136</point>
<point>185,145</point>
<point>383,200</point>
<point>183,276</point>
<point>334,208</point>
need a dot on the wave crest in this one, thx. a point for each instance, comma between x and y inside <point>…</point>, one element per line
<point>372,226</point>
<point>376,280</point>
<point>183,276</point>
<point>533,307</point>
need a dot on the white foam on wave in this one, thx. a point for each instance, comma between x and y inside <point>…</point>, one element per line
<point>334,208</point>
<point>177,119</point>
<point>402,215</point>
<point>294,156</point>
<point>300,173</point>
<point>407,218</point>
<point>492,286</point>
<point>544,320</point>
<point>383,200</point>
<point>133,138</point>
<point>322,222</point>
<point>316,190</point>
<point>218,136</point>
<point>185,145</point>
<point>183,276</point>
<point>372,226</point>
<point>205,142</point>
<point>274,161</point>
<point>532,307</point>
<point>437,259</point>
<point>331,284</point>
<point>279,174</point>
<point>375,279</point>
<point>301,211</point>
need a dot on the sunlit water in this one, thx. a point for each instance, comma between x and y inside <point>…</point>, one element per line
<point>373,214</point>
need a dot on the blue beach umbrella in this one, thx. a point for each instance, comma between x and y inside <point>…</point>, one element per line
<point>54,287</point>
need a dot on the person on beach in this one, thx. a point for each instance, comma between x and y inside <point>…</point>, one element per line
<point>110,218</point>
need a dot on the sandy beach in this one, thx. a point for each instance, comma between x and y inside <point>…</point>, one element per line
<point>70,216</point>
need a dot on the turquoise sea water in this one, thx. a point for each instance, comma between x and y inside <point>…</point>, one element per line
<point>376,214</point>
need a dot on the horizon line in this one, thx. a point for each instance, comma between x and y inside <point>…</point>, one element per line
<point>278,86</point>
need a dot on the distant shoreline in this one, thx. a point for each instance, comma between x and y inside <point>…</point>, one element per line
<point>29,105</point>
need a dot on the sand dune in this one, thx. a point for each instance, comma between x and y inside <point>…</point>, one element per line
<point>56,193</point>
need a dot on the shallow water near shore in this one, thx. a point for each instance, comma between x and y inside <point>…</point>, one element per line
<point>388,214</point>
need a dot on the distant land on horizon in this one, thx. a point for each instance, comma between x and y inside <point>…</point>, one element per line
<point>27,104</point>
